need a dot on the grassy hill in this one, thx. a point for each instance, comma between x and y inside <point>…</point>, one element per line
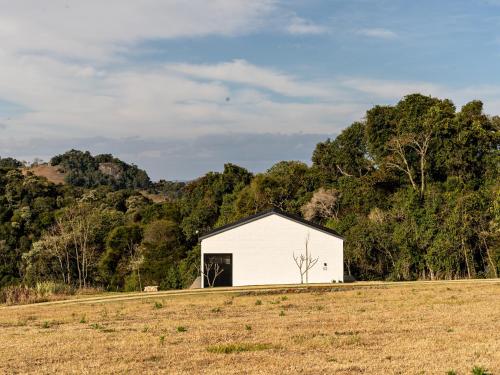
<point>55,175</point>
<point>85,170</point>
<point>371,328</point>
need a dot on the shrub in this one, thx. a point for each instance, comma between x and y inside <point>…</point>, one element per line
<point>181,329</point>
<point>480,371</point>
<point>258,302</point>
<point>16,295</point>
<point>96,326</point>
<point>131,283</point>
<point>158,305</point>
<point>41,292</point>
<point>49,288</point>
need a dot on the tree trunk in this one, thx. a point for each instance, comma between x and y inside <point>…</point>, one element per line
<point>77,253</point>
<point>422,175</point>
<point>466,255</point>
<point>139,276</point>
<point>67,268</point>
<point>490,258</point>
<point>307,261</point>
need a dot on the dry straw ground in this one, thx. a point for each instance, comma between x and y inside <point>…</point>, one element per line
<point>49,172</point>
<point>411,328</point>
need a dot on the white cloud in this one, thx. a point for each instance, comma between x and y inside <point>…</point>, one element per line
<point>173,100</point>
<point>301,26</point>
<point>185,100</point>
<point>389,89</point>
<point>242,72</point>
<point>63,61</point>
<point>93,29</point>
<point>378,33</point>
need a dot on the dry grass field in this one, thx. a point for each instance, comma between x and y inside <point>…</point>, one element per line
<point>407,328</point>
<point>49,172</point>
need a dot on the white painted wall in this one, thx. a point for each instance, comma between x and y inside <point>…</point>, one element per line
<point>263,251</point>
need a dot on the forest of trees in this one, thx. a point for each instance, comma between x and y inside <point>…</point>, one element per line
<point>414,189</point>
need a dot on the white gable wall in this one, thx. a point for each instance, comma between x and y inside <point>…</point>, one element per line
<point>263,251</point>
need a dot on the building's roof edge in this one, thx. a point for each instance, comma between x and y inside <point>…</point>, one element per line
<point>263,214</point>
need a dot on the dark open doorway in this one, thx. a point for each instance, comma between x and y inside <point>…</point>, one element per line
<point>224,264</point>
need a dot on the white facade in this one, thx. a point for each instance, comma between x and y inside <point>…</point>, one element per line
<point>263,249</point>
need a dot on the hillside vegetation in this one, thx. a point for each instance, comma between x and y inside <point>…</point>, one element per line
<point>414,328</point>
<point>414,189</point>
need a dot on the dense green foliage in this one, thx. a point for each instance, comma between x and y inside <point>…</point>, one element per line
<point>414,189</point>
<point>10,163</point>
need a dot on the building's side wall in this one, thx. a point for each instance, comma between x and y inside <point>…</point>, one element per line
<point>263,252</point>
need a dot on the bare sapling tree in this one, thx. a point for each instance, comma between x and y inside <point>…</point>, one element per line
<point>58,242</point>
<point>51,245</point>
<point>216,271</point>
<point>324,204</point>
<point>305,262</point>
<point>78,223</point>
<point>136,261</point>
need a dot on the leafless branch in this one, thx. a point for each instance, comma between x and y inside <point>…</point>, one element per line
<point>305,262</point>
<point>217,271</point>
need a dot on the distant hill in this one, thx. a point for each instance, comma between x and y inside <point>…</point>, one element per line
<point>159,192</point>
<point>82,169</point>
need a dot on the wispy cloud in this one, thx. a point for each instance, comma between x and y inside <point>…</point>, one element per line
<point>94,29</point>
<point>378,33</point>
<point>240,71</point>
<point>391,89</point>
<point>301,26</point>
<point>171,100</point>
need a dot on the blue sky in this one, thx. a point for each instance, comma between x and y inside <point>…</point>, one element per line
<point>181,87</point>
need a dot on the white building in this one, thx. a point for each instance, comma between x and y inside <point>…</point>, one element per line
<point>266,249</point>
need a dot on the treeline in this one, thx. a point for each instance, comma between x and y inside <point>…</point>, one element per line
<point>414,189</point>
